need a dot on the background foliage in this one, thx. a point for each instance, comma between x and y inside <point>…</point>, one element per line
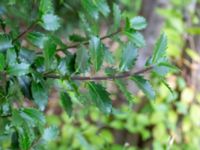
<point>48,56</point>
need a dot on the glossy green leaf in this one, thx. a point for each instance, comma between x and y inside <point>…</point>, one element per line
<point>66,102</point>
<point>100,97</point>
<point>129,56</point>
<point>5,43</point>
<point>97,52</point>
<point>25,84</point>
<point>116,15</point>
<point>50,133</point>
<point>50,22</point>
<point>160,49</point>
<point>138,23</point>
<point>18,69</point>
<point>136,38</point>
<point>2,62</point>
<point>37,38</point>
<point>82,60</point>
<point>49,52</point>
<point>40,94</point>
<point>144,85</point>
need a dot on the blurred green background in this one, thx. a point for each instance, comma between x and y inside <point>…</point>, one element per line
<point>172,121</point>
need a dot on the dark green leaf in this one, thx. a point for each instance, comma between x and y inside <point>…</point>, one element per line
<point>46,6</point>
<point>40,94</point>
<point>49,52</point>
<point>26,137</point>
<point>2,62</point>
<point>77,38</point>
<point>66,102</point>
<point>5,43</point>
<point>82,59</point>
<point>97,52</point>
<point>100,97</point>
<point>25,84</point>
<point>138,23</point>
<point>129,56</point>
<point>50,22</point>
<point>144,85</point>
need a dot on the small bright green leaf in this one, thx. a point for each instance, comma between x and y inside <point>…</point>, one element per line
<point>82,60</point>
<point>2,62</point>
<point>159,49</point>
<point>37,38</point>
<point>129,56</point>
<point>49,52</point>
<point>50,22</point>
<point>50,133</point>
<point>100,97</point>
<point>66,102</point>
<point>46,6</point>
<point>136,38</point>
<point>5,43</point>
<point>18,69</point>
<point>138,23</point>
<point>116,15</point>
<point>97,52</point>
<point>144,85</point>
<point>40,94</point>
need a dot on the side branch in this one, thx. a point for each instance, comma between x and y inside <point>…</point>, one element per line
<point>98,78</point>
<point>87,42</point>
<point>28,29</point>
